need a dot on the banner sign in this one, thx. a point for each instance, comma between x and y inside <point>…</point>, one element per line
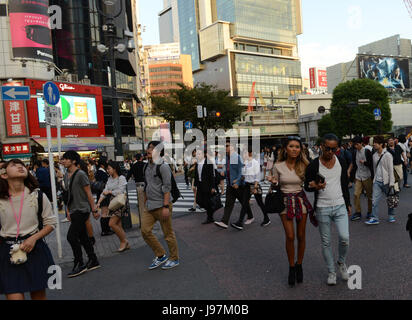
<point>30,29</point>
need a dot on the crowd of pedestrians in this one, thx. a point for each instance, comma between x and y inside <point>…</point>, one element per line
<point>328,169</point>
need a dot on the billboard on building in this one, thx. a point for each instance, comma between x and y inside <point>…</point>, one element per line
<point>391,72</point>
<point>318,78</point>
<point>30,29</point>
<point>77,111</point>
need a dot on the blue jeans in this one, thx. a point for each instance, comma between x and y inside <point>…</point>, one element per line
<point>339,215</point>
<point>379,190</point>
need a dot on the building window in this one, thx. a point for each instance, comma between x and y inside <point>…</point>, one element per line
<point>3,10</point>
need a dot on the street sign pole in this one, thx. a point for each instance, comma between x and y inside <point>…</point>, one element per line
<point>54,194</point>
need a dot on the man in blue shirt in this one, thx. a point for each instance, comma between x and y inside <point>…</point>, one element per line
<point>234,183</point>
<point>43,177</point>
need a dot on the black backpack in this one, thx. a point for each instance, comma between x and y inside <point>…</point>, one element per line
<point>175,192</point>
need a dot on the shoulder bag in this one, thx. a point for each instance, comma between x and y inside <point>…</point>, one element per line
<point>274,200</point>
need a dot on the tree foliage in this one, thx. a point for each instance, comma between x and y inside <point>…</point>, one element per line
<point>360,119</point>
<point>180,105</point>
<point>326,125</point>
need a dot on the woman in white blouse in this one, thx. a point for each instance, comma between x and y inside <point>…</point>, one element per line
<point>116,184</point>
<point>20,226</point>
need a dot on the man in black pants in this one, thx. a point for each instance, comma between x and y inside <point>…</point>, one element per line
<point>79,205</point>
<point>235,184</point>
<point>205,184</point>
<point>137,172</point>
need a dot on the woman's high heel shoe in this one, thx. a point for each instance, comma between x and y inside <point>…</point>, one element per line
<point>126,247</point>
<point>292,276</point>
<point>299,273</point>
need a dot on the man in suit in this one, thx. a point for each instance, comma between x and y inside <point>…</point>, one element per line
<point>205,184</point>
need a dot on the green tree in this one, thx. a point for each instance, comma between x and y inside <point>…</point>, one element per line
<point>180,105</point>
<point>326,125</point>
<point>360,119</point>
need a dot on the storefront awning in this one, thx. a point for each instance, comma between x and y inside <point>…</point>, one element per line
<point>78,144</point>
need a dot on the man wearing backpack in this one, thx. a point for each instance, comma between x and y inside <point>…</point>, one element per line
<point>158,207</point>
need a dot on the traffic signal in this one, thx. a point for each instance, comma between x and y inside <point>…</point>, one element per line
<point>215,114</point>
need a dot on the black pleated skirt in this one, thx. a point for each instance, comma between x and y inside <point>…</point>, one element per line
<point>29,276</point>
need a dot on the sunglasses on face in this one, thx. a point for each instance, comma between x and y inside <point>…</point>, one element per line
<point>328,149</point>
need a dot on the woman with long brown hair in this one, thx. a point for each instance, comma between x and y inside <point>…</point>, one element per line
<point>26,217</point>
<point>289,173</point>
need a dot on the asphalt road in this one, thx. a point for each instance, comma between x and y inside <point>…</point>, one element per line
<point>217,264</point>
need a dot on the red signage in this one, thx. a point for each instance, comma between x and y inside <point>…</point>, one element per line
<point>322,79</point>
<point>16,148</point>
<point>36,130</point>
<point>312,78</point>
<point>15,118</point>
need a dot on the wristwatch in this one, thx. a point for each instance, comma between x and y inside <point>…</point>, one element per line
<point>166,206</point>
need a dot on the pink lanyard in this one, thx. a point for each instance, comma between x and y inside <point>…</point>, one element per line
<point>18,219</point>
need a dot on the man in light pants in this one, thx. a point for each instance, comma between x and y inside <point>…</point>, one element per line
<point>332,203</point>
<point>137,172</point>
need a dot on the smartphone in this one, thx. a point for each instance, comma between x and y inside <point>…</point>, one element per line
<point>319,178</point>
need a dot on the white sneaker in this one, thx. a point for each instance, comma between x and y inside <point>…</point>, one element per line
<point>221,224</point>
<point>249,221</point>
<point>343,270</point>
<point>65,220</point>
<point>332,279</point>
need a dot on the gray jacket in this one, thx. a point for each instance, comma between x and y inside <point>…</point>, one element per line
<point>386,164</point>
<point>156,187</point>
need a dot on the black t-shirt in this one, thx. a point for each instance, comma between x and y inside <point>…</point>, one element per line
<point>397,155</point>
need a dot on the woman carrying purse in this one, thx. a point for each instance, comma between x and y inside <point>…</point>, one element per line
<point>115,186</point>
<point>289,173</point>
<point>24,257</point>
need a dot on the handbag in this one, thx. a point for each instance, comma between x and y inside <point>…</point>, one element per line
<point>216,202</point>
<point>274,200</point>
<point>98,187</point>
<point>117,202</point>
<point>392,198</point>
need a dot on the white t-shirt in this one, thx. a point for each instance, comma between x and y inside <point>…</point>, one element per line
<point>332,195</point>
<point>251,171</point>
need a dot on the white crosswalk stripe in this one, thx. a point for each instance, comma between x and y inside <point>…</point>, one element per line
<point>183,205</point>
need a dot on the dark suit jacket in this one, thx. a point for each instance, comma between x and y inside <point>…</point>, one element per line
<point>208,178</point>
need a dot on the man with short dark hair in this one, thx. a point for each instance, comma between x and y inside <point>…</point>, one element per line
<point>235,184</point>
<point>159,207</point>
<point>43,177</point>
<point>363,168</point>
<point>80,204</point>
<point>327,177</point>
<point>383,181</point>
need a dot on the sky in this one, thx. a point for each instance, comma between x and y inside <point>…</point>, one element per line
<point>332,29</point>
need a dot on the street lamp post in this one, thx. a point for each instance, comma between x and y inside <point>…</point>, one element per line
<point>109,29</point>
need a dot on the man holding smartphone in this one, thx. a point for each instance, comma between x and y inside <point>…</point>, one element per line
<point>327,177</point>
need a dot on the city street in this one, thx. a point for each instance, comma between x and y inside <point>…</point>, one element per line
<point>250,264</point>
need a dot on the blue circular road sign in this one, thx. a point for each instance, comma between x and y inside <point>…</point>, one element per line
<point>51,93</point>
<point>377,112</point>
<point>188,125</point>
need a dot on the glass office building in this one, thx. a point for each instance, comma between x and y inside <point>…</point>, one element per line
<point>188,30</point>
<point>246,41</point>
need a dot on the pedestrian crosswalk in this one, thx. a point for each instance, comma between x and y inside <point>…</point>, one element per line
<point>185,203</point>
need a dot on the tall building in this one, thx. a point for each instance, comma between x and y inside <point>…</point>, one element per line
<point>169,22</point>
<point>34,51</point>
<point>237,43</point>
<point>168,68</point>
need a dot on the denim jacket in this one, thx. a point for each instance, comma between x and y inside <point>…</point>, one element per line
<point>235,169</point>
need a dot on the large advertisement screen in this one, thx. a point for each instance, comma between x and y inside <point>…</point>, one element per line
<point>77,112</point>
<point>30,30</point>
<point>392,73</point>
